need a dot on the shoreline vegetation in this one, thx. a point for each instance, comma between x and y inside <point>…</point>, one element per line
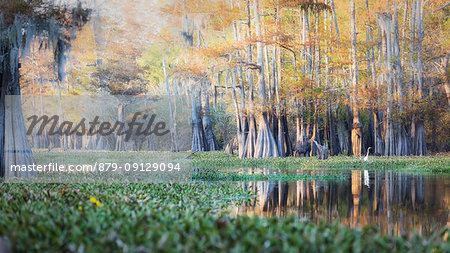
<point>433,163</point>
<point>439,163</point>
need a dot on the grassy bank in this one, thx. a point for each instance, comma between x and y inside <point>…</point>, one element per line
<point>434,164</point>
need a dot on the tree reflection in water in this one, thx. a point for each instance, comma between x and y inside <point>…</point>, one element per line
<point>397,202</point>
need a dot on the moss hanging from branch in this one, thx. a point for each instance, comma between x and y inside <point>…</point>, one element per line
<point>21,23</point>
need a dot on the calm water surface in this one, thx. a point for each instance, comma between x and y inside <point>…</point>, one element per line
<point>397,202</point>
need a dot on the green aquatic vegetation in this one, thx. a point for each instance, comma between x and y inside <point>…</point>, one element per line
<point>217,175</point>
<point>171,218</point>
<point>427,164</point>
<point>97,217</point>
<point>432,164</point>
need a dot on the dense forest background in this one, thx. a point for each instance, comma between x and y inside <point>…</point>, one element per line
<point>268,77</point>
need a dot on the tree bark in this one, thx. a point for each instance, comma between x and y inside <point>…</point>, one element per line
<point>334,139</point>
<point>356,127</point>
<point>120,138</point>
<point>14,145</point>
<point>265,143</point>
<point>371,82</point>
<point>172,119</point>
<point>197,139</point>
<point>402,140</point>
<point>281,130</point>
<point>419,142</point>
<point>210,138</point>
<point>250,141</point>
<point>302,146</point>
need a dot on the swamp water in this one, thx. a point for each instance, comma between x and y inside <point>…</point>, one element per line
<point>397,202</point>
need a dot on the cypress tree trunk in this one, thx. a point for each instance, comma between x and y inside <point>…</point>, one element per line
<point>332,126</point>
<point>14,146</point>
<point>238,115</point>
<point>120,138</point>
<point>283,122</point>
<point>356,126</point>
<point>446,71</point>
<point>265,143</point>
<point>210,138</point>
<point>314,136</point>
<point>64,139</point>
<point>412,66</point>
<point>378,132</point>
<point>173,128</point>
<point>241,120</point>
<point>197,138</point>
<point>244,120</point>
<point>302,146</point>
<point>402,147</point>
<point>281,137</point>
<point>334,140</point>
<point>419,142</point>
<point>174,99</point>
<point>371,70</point>
<point>2,122</point>
<point>250,141</point>
<point>385,20</point>
<point>343,130</point>
<point>287,139</point>
<point>335,20</point>
<point>378,114</point>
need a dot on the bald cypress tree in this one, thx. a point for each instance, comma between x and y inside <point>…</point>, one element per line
<point>21,23</point>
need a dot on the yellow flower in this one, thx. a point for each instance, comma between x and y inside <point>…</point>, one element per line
<point>98,203</point>
<point>93,200</point>
<point>80,208</point>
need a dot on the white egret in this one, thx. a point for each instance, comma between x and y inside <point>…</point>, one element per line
<point>367,156</point>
